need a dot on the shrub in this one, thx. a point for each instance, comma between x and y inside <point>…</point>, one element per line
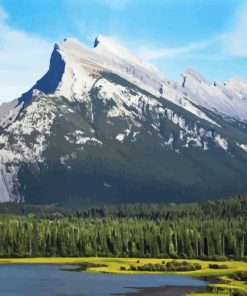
<point>198,266</point>
<point>218,266</point>
<point>169,266</point>
<point>133,268</point>
<point>123,268</point>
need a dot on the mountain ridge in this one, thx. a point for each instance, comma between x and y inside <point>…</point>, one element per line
<point>103,125</point>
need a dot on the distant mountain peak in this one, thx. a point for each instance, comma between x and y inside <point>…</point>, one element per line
<point>195,75</point>
<point>238,83</point>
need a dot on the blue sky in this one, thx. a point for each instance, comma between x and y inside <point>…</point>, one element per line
<point>208,35</point>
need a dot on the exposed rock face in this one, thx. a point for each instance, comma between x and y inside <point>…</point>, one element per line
<point>98,127</point>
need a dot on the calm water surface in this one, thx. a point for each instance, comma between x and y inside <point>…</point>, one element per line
<point>50,280</point>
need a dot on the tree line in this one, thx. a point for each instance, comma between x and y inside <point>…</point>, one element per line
<point>210,231</point>
<point>222,208</point>
<point>188,238</point>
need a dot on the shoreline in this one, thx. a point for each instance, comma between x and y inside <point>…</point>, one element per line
<point>218,279</point>
<point>165,290</point>
<point>113,265</point>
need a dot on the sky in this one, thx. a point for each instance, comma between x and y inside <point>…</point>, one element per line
<point>207,35</point>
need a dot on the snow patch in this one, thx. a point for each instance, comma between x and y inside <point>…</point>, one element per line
<point>221,142</point>
<point>77,137</point>
<point>120,137</point>
<point>243,146</point>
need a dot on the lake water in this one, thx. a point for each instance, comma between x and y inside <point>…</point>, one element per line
<point>50,280</point>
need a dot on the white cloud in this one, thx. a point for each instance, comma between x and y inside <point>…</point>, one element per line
<point>235,41</point>
<point>154,54</point>
<point>232,43</point>
<point>23,59</point>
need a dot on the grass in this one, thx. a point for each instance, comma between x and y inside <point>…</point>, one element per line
<point>229,284</point>
<point>206,294</point>
<point>225,287</point>
<point>114,264</point>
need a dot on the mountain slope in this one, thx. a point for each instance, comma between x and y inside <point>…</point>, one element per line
<point>228,99</point>
<point>102,125</point>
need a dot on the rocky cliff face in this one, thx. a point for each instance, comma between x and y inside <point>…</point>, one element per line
<point>103,125</point>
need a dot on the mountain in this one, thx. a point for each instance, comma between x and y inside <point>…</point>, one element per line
<point>102,125</point>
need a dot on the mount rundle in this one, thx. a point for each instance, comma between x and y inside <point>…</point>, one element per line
<point>102,125</point>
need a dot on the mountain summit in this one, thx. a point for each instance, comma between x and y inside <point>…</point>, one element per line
<point>103,125</point>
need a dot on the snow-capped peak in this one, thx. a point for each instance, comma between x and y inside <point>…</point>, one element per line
<point>74,59</point>
<point>71,46</point>
<point>103,44</point>
<point>238,85</point>
<point>104,49</point>
<point>190,73</point>
<point>72,65</point>
<point>226,99</point>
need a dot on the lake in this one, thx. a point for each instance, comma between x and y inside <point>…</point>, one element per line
<point>50,280</point>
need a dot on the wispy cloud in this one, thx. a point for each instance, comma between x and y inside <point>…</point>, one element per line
<point>23,59</point>
<point>154,54</point>
<point>235,41</point>
<point>231,43</point>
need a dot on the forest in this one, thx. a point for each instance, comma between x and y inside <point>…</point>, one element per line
<point>216,230</point>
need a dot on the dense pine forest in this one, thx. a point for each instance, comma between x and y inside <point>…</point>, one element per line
<point>215,230</point>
